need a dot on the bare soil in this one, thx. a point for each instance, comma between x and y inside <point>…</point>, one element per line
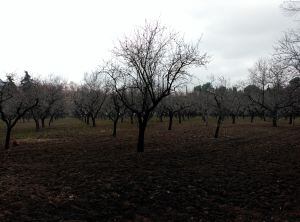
<point>77,173</point>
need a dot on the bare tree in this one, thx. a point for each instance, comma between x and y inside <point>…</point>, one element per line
<point>51,100</point>
<point>151,64</point>
<point>219,94</point>
<point>277,78</point>
<point>57,110</point>
<point>54,102</point>
<point>293,96</point>
<point>258,77</point>
<point>174,104</point>
<point>160,111</point>
<point>287,51</point>
<point>15,102</point>
<point>203,97</point>
<point>114,109</point>
<point>234,102</point>
<point>291,6</point>
<point>90,97</point>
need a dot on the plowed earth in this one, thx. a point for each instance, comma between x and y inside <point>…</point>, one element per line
<point>77,173</point>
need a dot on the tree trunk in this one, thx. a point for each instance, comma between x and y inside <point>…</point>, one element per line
<point>115,127</point>
<point>294,117</point>
<point>218,126</point>
<point>171,114</point>
<point>131,118</point>
<point>7,138</point>
<point>43,122</point>
<point>142,127</point>
<point>274,118</point>
<point>203,118</point>
<point>274,121</point>
<point>140,145</point>
<point>37,124</point>
<point>252,118</point>
<point>291,119</point>
<point>94,121</point>
<point>51,120</point>
<point>88,120</point>
<point>206,120</point>
<point>161,118</point>
<point>233,119</point>
<point>179,118</point>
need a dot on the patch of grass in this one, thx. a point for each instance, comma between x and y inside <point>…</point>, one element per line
<point>72,127</point>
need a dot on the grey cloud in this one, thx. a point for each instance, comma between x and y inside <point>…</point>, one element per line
<point>236,35</point>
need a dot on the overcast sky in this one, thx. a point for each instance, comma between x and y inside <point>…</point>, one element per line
<point>70,37</point>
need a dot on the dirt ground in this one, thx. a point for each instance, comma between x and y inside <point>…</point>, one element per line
<point>72,172</point>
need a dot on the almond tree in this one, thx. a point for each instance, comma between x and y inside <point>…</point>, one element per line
<point>114,109</point>
<point>287,51</point>
<point>54,100</point>
<point>219,101</point>
<point>259,78</point>
<point>150,64</point>
<point>291,6</point>
<point>203,98</point>
<point>15,101</point>
<point>234,103</point>
<point>275,95</point>
<point>219,98</point>
<point>90,97</point>
<point>58,110</point>
<point>293,96</point>
<point>51,99</point>
<point>174,104</point>
<point>252,109</point>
